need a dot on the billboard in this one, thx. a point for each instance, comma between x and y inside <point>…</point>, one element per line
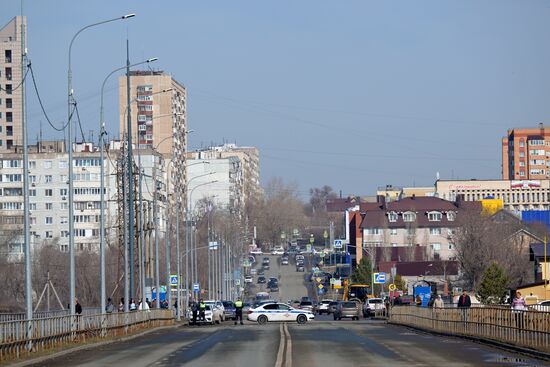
<point>490,205</point>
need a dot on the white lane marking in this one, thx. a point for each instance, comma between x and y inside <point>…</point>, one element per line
<point>288,355</point>
<point>279,361</point>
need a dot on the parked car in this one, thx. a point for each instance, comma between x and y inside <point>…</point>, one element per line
<point>248,279</point>
<point>265,266</point>
<point>332,307</point>
<point>374,306</point>
<point>261,280</point>
<point>274,287</point>
<point>217,310</point>
<point>253,271</point>
<point>256,251</point>
<point>300,268</point>
<point>277,251</point>
<point>307,305</point>
<point>208,319</point>
<point>260,272</point>
<point>229,310</point>
<point>323,306</point>
<point>284,261</point>
<point>541,306</point>
<point>348,309</point>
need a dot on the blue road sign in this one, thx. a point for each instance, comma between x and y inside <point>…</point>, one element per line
<point>337,243</point>
<point>380,278</point>
<point>196,287</point>
<point>174,280</point>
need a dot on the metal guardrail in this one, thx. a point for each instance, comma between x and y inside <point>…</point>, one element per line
<point>49,333</point>
<point>5,317</point>
<point>526,329</point>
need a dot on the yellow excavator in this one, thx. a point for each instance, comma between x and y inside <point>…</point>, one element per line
<point>357,291</point>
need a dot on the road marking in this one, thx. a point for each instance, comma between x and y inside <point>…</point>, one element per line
<point>279,361</point>
<point>288,355</point>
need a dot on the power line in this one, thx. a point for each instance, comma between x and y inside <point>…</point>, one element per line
<point>42,105</point>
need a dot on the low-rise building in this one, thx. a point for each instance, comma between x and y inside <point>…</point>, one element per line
<point>421,227</point>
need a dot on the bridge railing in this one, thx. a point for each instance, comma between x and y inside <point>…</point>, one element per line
<point>4,317</point>
<point>52,332</point>
<point>527,329</point>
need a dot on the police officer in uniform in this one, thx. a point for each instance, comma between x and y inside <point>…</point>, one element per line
<point>202,309</point>
<point>238,311</point>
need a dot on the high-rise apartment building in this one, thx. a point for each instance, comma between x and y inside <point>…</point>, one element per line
<point>159,120</point>
<point>526,154</point>
<point>10,78</point>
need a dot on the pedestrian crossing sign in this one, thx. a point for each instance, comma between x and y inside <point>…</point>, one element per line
<point>174,280</point>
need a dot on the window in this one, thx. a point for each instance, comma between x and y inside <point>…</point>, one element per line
<point>63,192</point>
<point>434,216</point>
<point>49,206</point>
<point>411,231</point>
<point>521,154</point>
<point>49,234</point>
<point>436,246</point>
<point>272,306</point>
<point>64,234</point>
<point>435,231</point>
<point>409,217</point>
<point>32,192</point>
<point>522,173</point>
<point>8,90</point>
<point>451,216</point>
<point>536,152</point>
<point>32,206</point>
<point>62,164</point>
<point>522,164</point>
<point>32,178</point>
<point>536,162</point>
<point>64,248</point>
<point>392,216</point>
<point>47,164</point>
<point>7,56</point>
<point>8,73</point>
<point>49,178</point>
<point>9,103</point>
<point>49,220</point>
<point>536,171</point>
<point>393,231</point>
<point>64,220</point>
<point>536,142</point>
<point>32,220</point>
<point>32,164</point>
<point>64,206</point>
<point>48,192</point>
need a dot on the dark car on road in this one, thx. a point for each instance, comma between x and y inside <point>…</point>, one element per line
<point>348,309</point>
<point>261,280</point>
<point>229,310</point>
<point>260,272</point>
<point>332,307</point>
<point>300,268</point>
<point>265,266</point>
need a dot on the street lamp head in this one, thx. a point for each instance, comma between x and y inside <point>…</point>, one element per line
<point>152,59</point>
<point>131,15</point>
<point>167,90</point>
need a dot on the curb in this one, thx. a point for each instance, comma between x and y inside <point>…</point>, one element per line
<point>504,346</point>
<point>62,353</point>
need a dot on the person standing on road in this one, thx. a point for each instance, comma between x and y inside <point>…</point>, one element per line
<point>438,302</point>
<point>518,306</point>
<point>109,307</point>
<point>202,310</point>
<point>464,303</point>
<point>194,310</point>
<point>239,311</point>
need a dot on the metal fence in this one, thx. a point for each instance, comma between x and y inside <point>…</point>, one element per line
<point>4,317</point>
<point>527,329</point>
<point>49,333</point>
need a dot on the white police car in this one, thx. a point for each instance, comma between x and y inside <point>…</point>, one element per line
<point>278,312</point>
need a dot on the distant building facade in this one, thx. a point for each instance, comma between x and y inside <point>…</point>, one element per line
<point>525,154</point>
<point>517,195</point>
<point>11,107</point>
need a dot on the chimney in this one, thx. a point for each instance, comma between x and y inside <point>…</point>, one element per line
<point>381,200</point>
<point>413,196</point>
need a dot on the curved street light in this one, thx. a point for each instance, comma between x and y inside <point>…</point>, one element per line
<point>102,133</point>
<point>70,99</point>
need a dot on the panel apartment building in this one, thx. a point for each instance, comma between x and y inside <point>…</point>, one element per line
<point>10,78</point>
<point>159,120</point>
<point>48,195</point>
<point>526,154</point>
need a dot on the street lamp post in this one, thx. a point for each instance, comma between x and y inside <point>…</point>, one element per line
<point>102,134</point>
<point>70,101</point>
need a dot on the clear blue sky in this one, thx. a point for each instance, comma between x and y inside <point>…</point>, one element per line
<point>353,94</point>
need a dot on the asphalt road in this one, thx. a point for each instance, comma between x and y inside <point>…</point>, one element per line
<point>318,343</point>
<point>322,342</point>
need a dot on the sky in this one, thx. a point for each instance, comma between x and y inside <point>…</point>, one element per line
<point>350,94</point>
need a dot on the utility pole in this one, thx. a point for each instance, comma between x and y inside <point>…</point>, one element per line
<point>26,210</point>
<point>157,222</point>
<point>130,175</point>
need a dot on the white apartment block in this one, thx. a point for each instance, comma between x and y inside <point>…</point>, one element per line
<point>48,196</point>
<point>217,180</point>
